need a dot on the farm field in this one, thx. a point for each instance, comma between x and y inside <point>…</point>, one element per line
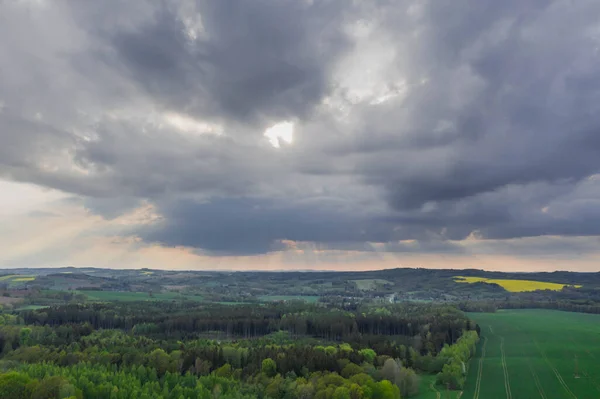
<point>514,285</point>
<point>535,354</point>
<point>137,296</point>
<point>15,279</point>
<point>305,298</point>
<point>370,284</point>
<point>31,307</point>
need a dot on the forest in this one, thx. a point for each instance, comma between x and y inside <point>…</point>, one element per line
<point>185,350</point>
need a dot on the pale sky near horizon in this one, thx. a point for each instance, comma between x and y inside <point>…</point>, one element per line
<point>322,134</point>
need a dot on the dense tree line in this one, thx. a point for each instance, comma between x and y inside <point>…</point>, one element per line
<point>185,350</point>
<point>436,325</point>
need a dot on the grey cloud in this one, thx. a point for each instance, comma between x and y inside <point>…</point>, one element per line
<point>111,208</point>
<point>533,210</point>
<point>495,121</point>
<point>247,61</point>
<point>246,225</point>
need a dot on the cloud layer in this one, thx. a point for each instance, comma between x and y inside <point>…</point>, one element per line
<point>419,126</point>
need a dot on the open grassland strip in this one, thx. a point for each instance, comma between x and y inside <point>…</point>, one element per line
<point>555,371</point>
<point>480,370</point>
<point>505,370</point>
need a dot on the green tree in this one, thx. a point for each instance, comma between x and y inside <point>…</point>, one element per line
<point>24,336</point>
<point>386,390</point>
<point>159,360</point>
<point>269,367</point>
<point>391,371</point>
<point>224,371</point>
<point>408,382</point>
<point>351,369</point>
<point>369,354</point>
<point>341,393</point>
<point>16,385</point>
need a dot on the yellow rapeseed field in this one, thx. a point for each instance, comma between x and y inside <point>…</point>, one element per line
<point>23,279</point>
<point>514,285</point>
<point>16,278</point>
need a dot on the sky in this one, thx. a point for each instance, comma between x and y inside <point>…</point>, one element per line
<point>300,134</point>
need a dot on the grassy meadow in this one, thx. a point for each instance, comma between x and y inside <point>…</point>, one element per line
<point>104,296</point>
<point>543,354</point>
<point>305,298</point>
<point>370,284</point>
<point>514,285</point>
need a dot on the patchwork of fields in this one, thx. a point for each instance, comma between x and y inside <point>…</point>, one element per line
<point>536,354</point>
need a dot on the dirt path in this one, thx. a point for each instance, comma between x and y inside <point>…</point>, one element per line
<point>438,395</point>
<point>555,371</point>
<point>480,370</point>
<point>505,370</point>
<point>536,380</point>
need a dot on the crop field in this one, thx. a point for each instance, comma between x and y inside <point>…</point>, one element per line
<point>21,279</point>
<point>16,278</point>
<point>32,307</point>
<point>535,354</point>
<point>370,284</point>
<point>305,298</point>
<point>137,296</point>
<point>514,285</point>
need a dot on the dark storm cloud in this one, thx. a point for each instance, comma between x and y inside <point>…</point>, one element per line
<point>493,131</point>
<point>249,226</point>
<point>528,115</point>
<point>246,61</point>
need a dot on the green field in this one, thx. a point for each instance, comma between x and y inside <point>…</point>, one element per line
<point>32,307</point>
<point>370,284</point>
<point>103,296</point>
<point>535,354</point>
<point>306,298</point>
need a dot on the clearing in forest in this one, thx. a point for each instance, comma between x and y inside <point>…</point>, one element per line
<point>514,285</point>
<point>370,284</point>
<point>127,296</point>
<point>535,354</point>
<point>275,298</point>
